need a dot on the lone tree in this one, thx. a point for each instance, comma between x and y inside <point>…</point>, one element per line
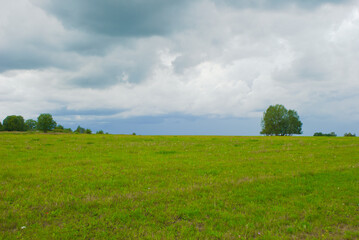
<point>45,122</point>
<point>14,123</point>
<point>279,121</point>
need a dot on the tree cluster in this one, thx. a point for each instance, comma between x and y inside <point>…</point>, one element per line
<point>349,134</point>
<point>45,123</point>
<point>332,134</point>
<point>79,129</point>
<point>279,121</point>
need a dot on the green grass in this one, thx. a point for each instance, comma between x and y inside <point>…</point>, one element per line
<point>185,187</point>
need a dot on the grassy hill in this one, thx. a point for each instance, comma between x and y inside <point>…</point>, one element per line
<point>186,187</point>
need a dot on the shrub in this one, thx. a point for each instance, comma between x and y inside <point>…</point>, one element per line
<point>57,130</point>
<point>349,134</point>
<point>68,130</point>
<point>99,132</point>
<point>80,130</point>
<point>320,134</point>
<point>62,130</point>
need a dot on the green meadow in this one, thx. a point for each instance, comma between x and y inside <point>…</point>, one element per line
<point>80,186</point>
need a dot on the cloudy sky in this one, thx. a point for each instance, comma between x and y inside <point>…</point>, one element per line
<point>180,67</point>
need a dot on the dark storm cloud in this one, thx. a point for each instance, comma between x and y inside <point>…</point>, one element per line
<point>36,57</point>
<point>14,60</point>
<point>143,18</point>
<point>100,26</point>
<point>118,18</point>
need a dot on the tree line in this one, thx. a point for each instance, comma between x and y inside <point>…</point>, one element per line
<point>277,121</point>
<point>333,134</point>
<point>44,123</point>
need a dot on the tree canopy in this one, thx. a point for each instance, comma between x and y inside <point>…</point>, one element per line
<point>279,121</point>
<point>45,122</point>
<point>14,123</point>
<point>30,125</point>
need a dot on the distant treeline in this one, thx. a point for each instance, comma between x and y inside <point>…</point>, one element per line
<point>44,123</point>
<point>332,134</point>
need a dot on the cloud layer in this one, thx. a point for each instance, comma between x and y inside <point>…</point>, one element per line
<point>120,59</point>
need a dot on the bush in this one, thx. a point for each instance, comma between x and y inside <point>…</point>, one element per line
<point>68,130</point>
<point>61,129</point>
<point>349,134</point>
<point>320,134</point>
<point>80,130</point>
<point>57,130</point>
<point>83,130</point>
<point>99,132</point>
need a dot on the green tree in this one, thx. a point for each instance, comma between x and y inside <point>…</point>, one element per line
<point>30,125</point>
<point>1,126</point>
<point>99,132</point>
<point>274,120</point>
<point>294,124</point>
<point>88,131</point>
<point>45,122</point>
<point>279,121</point>
<point>14,123</point>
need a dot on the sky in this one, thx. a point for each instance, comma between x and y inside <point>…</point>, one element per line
<point>168,67</point>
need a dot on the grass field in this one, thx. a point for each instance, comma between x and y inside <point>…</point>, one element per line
<point>186,187</point>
